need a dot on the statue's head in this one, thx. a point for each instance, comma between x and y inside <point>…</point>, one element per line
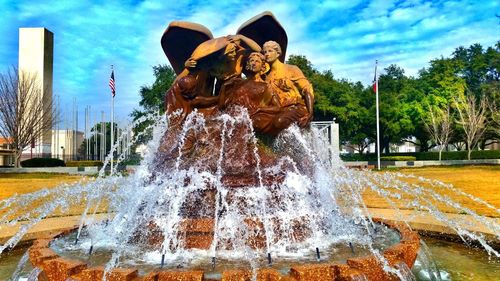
<point>187,86</point>
<point>256,62</point>
<point>271,50</point>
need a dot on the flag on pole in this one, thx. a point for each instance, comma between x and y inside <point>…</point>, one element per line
<point>375,88</point>
<point>112,83</point>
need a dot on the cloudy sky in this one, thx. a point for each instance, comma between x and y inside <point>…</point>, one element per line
<point>344,36</point>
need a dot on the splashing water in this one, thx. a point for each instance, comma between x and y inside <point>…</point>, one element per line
<point>317,203</point>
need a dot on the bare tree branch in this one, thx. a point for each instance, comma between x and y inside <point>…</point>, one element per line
<point>439,126</point>
<point>473,118</point>
<point>25,113</point>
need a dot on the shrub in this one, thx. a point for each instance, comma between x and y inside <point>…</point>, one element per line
<point>42,162</point>
<point>398,158</point>
<point>84,163</point>
<point>446,155</point>
<point>133,159</point>
<point>354,157</point>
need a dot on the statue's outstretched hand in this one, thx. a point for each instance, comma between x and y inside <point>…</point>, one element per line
<point>190,63</point>
<point>233,38</point>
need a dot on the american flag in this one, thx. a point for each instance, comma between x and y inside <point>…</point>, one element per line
<point>112,83</point>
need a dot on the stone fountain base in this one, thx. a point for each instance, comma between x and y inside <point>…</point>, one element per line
<point>56,268</point>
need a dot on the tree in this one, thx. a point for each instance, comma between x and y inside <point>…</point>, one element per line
<point>26,114</point>
<point>481,71</point>
<point>473,66</point>
<point>342,100</point>
<point>436,85</point>
<point>153,98</point>
<point>472,118</point>
<point>395,121</point>
<point>495,118</point>
<point>96,141</point>
<point>439,125</point>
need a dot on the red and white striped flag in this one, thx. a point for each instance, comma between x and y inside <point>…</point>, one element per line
<point>375,80</point>
<point>112,83</point>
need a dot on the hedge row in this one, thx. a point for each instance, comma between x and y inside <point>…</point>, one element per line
<point>398,158</point>
<point>85,163</point>
<point>446,155</point>
<point>42,162</point>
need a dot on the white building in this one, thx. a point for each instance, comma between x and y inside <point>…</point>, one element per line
<point>394,148</point>
<point>65,144</point>
<point>36,55</point>
<point>6,153</point>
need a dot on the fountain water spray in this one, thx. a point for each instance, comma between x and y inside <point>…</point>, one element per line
<point>327,202</point>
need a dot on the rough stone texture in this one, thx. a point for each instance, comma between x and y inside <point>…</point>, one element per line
<point>266,274</point>
<point>61,269</point>
<point>96,273</point>
<point>123,274</point>
<point>269,274</point>
<point>395,254</point>
<point>175,276</point>
<point>371,267</point>
<point>345,273</point>
<point>89,274</point>
<point>38,255</point>
<point>41,243</point>
<point>237,275</point>
<point>313,272</point>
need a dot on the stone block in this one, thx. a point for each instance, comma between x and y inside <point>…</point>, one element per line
<point>268,274</point>
<point>371,267</point>
<point>41,243</point>
<point>198,240</point>
<point>312,272</point>
<point>37,256</point>
<point>122,274</point>
<point>346,273</point>
<point>89,274</point>
<point>194,275</point>
<point>237,275</point>
<point>61,269</point>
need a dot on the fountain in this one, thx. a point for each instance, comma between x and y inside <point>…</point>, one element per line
<point>234,186</point>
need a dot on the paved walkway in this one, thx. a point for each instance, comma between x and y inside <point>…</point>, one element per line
<point>423,221</point>
<point>417,220</point>
<point>45,227</point>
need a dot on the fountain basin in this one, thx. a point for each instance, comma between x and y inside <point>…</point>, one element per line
<point>403,254</point>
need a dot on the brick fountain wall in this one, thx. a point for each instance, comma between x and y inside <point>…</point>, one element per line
<point>56,268</point>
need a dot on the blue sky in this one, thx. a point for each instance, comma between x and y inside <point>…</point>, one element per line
<point>344,36</point>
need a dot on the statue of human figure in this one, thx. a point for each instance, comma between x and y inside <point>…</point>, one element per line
<point>251,93</point>
<point>221,58</point>
<point>289,83</point>
<point>257,96</point>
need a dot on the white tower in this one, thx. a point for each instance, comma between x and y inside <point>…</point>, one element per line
<point>36,56</point>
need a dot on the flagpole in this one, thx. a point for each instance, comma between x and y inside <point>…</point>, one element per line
<point>112,121</point>
<point>378,126</point>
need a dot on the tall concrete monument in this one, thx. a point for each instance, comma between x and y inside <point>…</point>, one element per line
<point>36,57</point>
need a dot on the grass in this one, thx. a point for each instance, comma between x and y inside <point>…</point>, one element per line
<point>479,181</point>
<point>11,184</point>
<point>23,183</point>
